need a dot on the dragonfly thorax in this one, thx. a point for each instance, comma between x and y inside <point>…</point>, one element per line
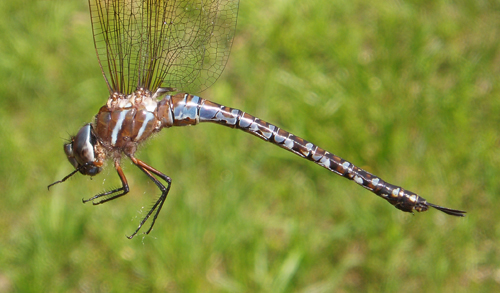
<point>126,121</point>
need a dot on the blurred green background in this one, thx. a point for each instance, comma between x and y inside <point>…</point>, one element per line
<point>407,90</point>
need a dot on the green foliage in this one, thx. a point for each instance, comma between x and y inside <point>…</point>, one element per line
<point>407,90</point>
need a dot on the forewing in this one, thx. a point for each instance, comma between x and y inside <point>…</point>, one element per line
<point>148,43</point>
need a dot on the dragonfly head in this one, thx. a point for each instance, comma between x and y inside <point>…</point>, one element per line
<point>85,152</point>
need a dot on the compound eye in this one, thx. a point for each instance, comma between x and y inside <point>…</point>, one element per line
<point>68,149</point>
<point>81,152</point>
<point>83,146</point>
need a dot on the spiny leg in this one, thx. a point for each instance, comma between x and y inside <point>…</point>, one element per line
<point>64,179</point>
<point>121,191</point>
<point>164,191</point>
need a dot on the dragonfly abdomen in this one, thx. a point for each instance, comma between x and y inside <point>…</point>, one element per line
<point>185,109</point>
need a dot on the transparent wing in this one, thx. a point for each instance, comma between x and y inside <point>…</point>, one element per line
<point>151,43</point>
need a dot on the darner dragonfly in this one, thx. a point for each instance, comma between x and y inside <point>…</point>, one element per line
<point>183,45</point>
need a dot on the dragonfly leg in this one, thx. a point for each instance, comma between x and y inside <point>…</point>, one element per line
<point>121,191</point>
<point>150,172</point>
<point>64,179</point>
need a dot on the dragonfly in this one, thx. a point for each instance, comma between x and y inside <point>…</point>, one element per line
<point>151,53</point>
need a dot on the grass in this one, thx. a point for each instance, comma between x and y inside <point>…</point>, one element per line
<point>406,90</point>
